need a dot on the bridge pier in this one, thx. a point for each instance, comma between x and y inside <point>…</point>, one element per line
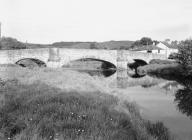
<point>122,65</point>
<point>122,78</point>
<point>54,54</point>
<point>54,60</point>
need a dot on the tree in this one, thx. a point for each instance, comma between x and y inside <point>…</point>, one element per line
<point>185,53</point>
<point>142,42</point>
<point>155,42</point>
<point>11,43</point>
<point>146,41</point>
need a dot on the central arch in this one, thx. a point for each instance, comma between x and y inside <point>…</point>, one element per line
<point>134,66</point>
<point>105,64</point>
<point>87,65</point>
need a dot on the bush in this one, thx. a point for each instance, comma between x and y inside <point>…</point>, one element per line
<point>158,130</point>
<point>158,61</point>
<point>173,56</point>
<point>185,53</point>
<point>7,43</point>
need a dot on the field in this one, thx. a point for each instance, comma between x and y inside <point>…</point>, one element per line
<point>42,104</point>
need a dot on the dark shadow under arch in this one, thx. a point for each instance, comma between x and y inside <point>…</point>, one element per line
<point>31,62</point>
<point>103,68</point>
<point>134,66</point>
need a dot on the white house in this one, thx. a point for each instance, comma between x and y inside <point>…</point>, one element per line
<point>149,49</point>
<point>160,48</point>
<point>167,48</point>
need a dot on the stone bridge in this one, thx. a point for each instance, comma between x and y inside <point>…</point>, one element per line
<point>58,57</point>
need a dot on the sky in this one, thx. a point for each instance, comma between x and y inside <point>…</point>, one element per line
<point>48,21</point>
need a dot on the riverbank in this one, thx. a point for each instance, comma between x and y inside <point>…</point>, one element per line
<point>47,103</point>
<point>172,70</point>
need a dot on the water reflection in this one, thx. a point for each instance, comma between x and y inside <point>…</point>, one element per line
<point>103,73</point>
<point>161,98</point>
<point>183,96</point>
<point>183,99</point>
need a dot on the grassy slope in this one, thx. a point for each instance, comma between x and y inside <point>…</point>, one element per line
<point>40,104</point>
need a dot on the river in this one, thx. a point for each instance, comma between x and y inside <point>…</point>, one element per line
<point>158,99</point>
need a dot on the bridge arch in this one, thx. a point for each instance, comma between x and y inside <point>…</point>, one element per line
<point>105,64</point>
<point>31,62</point>
<point>134,67</point>
<point>137,63</point>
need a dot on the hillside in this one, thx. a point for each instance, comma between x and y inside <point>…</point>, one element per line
<point>95,45</point>
<point>12,43</point>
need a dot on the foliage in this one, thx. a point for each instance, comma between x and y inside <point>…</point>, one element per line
<point>146,41</point>
<point>183,98</point>
<point>11,43</point>
<point>173,56</point>
<point>185,53</point>
<point>158,130</point>
<point>143,41</point>
<point>159,61</point>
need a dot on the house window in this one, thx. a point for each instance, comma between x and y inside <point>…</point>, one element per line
<point>158,50</point>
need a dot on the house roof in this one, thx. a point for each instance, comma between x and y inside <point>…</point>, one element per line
<point>148,47</point>
<point>169,45</point>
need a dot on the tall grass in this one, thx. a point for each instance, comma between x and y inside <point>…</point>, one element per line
<point>39,110</point>
<point>50,113</point>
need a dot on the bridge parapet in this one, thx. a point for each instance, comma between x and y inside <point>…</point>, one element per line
<point>57,57</point>
<point>124,55</point>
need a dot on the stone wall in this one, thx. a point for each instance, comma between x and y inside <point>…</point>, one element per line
<point>57,57</point>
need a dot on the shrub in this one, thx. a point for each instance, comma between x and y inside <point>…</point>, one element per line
<point>158,61</point>
<point>158,130</point>
<point>185,53</point>
<point>173,56</point>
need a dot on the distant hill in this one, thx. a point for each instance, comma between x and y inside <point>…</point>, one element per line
<point>34,46</point>
<point>95,45</point>
<point>11,43</point>
<point>116,45</point>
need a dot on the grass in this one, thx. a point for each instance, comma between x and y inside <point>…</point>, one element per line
<point>40,110</point>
